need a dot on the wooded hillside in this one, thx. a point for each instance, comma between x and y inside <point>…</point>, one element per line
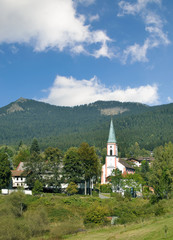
<point>64,127</point>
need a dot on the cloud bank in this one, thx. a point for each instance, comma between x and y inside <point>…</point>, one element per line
<point>71,92</point>
<point>153,27</point>
<point>49,24</point>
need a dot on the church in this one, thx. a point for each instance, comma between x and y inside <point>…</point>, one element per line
<point>112,160</point>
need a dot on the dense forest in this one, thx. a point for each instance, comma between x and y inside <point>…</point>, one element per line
<point>64,127</point>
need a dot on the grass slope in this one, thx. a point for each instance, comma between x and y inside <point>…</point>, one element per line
<point>148,230</point>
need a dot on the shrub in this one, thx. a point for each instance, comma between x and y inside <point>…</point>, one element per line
<point>72,188</point>
<point>96,214</point>
<point>106,188</point>
<point>38,187</point>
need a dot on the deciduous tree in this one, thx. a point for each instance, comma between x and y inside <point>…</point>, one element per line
<point>5,173</point>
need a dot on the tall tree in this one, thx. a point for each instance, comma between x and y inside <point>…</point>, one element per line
<point>5,173</point>
<point>53,168</point>
<point>35,146</point>
<point>161,177</point>
<point>72,166</point>
<point>21,156</point>
<point>90,162</point>
<point>34,167</point>
<point>116,179</point>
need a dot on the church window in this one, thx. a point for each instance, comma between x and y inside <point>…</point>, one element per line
<point>111,152</point>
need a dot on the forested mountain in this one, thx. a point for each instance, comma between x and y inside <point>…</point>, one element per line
<point>69,126</point>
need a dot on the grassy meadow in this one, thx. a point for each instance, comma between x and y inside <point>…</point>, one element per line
<point>57,216</point>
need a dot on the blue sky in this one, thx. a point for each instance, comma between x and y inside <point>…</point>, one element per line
<point>72,52</point>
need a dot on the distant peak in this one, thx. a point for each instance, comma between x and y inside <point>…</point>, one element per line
<point>21,99</point>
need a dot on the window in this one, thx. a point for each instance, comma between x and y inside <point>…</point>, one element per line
<point>111,152</point>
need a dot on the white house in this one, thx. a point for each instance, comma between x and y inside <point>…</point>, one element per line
<point>19,177</point>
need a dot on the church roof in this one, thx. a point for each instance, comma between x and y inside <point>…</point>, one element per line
<point>111,138</point>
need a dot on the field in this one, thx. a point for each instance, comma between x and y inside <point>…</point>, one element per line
<point>57,216</point>
<point>148,230</point>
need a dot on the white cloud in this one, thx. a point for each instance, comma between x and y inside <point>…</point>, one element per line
<point>71,92</point>
<point>85,2</point>
<point>140,5</point>
<point>153,27</point>
<point>104,51</point>
<point>46,24</point>
<point>94,18</point>
<point>136,52</point>
<point>169,99</point>
<point>14,49</point>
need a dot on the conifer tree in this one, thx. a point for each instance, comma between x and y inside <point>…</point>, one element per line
<point>35,147</point>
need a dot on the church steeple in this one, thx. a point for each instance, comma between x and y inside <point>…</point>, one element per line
<point>111,138</point>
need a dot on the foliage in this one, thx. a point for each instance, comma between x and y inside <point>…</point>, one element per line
<point>5,173</point>
<point>145,171</point>
<point>134,181</point>
<point>38,187</point>
<point>97,215</point>
<point>35,147</point>
<point>64,127</point>
<point>72,166</point>
<point>52,168</point>
<point>116,179</point>
<point>135,151</point>
<point>72,188</point>
<point>34,169</point>
<point>105,188</point>
<point>16,202</point>
<point>161,177</point>
<point>90,161</point>
<point>21,156</point>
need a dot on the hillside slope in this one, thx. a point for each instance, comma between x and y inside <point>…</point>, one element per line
<point>69,126</point>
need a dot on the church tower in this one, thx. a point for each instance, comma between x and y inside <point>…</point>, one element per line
<point>111,160</point>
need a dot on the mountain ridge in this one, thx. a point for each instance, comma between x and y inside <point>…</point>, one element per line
<point>64,127</point>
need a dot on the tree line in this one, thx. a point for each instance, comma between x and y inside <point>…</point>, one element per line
<point>51,167</point>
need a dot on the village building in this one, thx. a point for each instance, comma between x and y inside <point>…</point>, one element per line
<point>112,161</point>
<point>19,177</point>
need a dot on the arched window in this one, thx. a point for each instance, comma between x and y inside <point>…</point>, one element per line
<point>111,152</point>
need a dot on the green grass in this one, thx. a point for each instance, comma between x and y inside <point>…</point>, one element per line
<point>147,230</point>
<point>62,216</point>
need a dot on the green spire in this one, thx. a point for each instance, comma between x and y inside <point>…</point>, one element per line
<point>111,138</point>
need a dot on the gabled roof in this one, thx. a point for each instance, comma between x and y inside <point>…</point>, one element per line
<point>111,138</point>
<point>16,173</point>
<point>125,164</point>
<point>20,167</point>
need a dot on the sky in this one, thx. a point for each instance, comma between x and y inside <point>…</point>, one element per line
<point>73,52</point>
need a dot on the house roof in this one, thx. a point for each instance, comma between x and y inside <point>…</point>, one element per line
<point>125,164</point>
<point>20,167</point>
<point>111,138</point>
<point>134,159</point>
<point>16,173</point>
<point>146,158</point>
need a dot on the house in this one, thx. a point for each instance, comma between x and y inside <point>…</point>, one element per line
<point>19,177</point>
<point>112,161</point>
<point>134,161</point>
<point>138,161</point>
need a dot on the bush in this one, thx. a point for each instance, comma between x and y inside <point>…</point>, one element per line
<point>95,193</point>
<point>72,188</point>
<point>96,214</point>
<point>37,222</point>
<point>38,187</point>
<point>106,188</point>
